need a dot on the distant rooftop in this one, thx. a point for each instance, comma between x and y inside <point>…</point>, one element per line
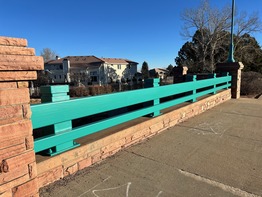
<point>77,60</point>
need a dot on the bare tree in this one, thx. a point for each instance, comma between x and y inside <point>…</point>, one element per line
<point>212,25</point>
<point>48,54</point>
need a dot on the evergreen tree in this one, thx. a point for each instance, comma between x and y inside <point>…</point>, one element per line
<point>145,70</point>
<point>247,51</point>
<point>170,69</point>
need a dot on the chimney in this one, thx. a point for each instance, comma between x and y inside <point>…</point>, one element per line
<point>57,57</point>
<point>66,69</point>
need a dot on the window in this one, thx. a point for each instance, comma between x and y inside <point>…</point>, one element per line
<point>61,66</point>
<point>94,78</point>
<point>118,66</point>
<point>92,73</point>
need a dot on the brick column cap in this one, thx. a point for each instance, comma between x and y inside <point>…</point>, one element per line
<point>231,66</point>
<point>181,70</point>
<point>9,41</point>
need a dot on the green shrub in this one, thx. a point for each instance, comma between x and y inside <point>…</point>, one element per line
<point>78,92</point>
<point>251,83</point>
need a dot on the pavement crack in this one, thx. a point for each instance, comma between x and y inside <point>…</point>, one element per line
<point>227,188</point>
<point>131,152</point>
<point>142,156</point>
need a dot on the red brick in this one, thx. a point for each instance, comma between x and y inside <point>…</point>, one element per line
<point>50,176</point>
<point>27,189</point>
<point>9,142</point>
<point>12,50</point>
<point>8,85</point>
<point>114,145</point>
<point>8,41</point>
<point>8,193</point>
<point>166,122</point>
<point>13,174</point>
<point>173,123</point>
<point>29,142</point>
<point>12,151</point>
<point>128,139</point>
<point>14,96</point>
<point>11,184</point>
<point>32,170</point>
<point>141,134</point>
<point>14,62</point>
<point>22,159</point>
<point>156,127</point>
<point>21,128</point>
<point>134,141</point>
<point>27,111</point>
<point>71,169</point>
<point>8,112</point>
<point>96,158</point>
<point>22,84</point>
<point>110,153</point>
<point>18,75</point>
<point>10,120</point>
<point>84,163</point>
<point>174,115</point>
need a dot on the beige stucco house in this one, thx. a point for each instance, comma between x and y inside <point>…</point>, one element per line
<point>90,69</point>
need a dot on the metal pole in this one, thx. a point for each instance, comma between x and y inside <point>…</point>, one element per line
<point>231,48</point>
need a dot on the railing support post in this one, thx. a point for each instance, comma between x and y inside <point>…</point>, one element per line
<point>211,76</point>
<point>194,79</point>
<point>149,83</point>
<point>56,94</point>
<point>224,74</point>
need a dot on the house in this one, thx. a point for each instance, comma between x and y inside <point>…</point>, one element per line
<point>158,72</point>
<point>90,70</point>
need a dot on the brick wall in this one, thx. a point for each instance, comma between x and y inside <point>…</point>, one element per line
<point>122,136</point>
<point>18,64</point>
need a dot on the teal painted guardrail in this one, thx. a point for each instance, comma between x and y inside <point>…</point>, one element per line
<point>53,113</point>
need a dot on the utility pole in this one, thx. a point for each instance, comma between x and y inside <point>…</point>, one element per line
<point>231,48</point>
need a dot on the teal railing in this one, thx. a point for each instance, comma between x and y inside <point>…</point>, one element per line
<point>59,115</point>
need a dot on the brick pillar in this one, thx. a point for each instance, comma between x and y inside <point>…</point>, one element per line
<point>179,74</point>
<point>18,65</point>
<point>234,70</point>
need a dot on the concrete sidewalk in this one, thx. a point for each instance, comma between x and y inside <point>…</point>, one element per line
<point>217,153</point>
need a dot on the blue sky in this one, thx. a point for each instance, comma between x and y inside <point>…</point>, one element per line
<point>140,30</point>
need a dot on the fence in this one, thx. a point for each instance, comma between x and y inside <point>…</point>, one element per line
<point>57,116</point>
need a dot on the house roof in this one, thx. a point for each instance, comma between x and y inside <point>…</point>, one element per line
<point>80,60</point>
<point>117,61</point>
<point>77,60</point>
<point>157,70</point>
